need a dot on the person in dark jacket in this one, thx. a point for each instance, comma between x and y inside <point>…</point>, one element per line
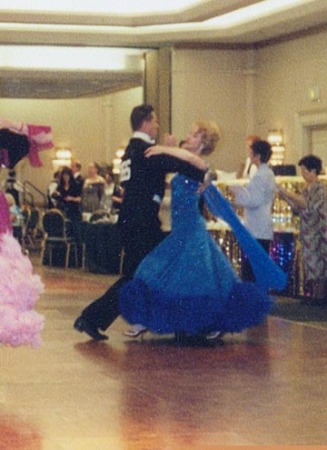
<point>143,181</point>
<point>68,195</point>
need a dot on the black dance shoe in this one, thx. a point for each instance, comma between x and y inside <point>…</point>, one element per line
<point>83,325</point>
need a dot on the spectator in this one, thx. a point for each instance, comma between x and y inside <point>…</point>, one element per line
<point>68,195</point>
<point>93,189</point>
<point>14,187</point>
<point>257,199</point>
<point>52,203</point>
<point>76,167</point>
<point>311,205</point>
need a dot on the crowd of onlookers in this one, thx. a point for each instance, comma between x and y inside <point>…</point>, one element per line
<point>77,196</point>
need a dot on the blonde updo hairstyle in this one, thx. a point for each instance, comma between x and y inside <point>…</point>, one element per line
<point>210,136</point>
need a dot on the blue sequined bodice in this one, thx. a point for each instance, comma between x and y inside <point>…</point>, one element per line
<point>185,202</point>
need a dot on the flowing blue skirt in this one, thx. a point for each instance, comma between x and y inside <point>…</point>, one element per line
<point>187,284</point>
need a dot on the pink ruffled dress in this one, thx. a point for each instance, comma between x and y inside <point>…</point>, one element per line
<point>19,289</point>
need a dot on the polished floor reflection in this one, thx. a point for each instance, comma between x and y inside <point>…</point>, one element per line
<point>267,386</point>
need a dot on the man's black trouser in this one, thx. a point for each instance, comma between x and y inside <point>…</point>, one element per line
<point>104,310</point>
<point>246,269</point>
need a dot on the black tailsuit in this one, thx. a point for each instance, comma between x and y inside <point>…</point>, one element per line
<point>143,180</point>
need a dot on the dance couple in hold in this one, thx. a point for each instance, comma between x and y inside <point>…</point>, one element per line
<point>183,284</point>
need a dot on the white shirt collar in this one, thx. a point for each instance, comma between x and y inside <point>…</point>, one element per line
<point>144,136</point>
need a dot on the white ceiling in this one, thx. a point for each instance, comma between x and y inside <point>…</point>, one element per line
<point>104,23</point>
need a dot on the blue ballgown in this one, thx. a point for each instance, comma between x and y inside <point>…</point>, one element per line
<point>187,284</point>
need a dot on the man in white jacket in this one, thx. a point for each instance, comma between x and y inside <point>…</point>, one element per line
<point>257,198</point>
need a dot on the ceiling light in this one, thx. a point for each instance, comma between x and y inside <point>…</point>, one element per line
<point>70,58</point>
<point>275,139</point>
<point>99,6</point>
<point>64,153</point>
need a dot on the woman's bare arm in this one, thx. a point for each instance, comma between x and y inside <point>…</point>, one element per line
<point>296,201</point>
<point>179,153</point>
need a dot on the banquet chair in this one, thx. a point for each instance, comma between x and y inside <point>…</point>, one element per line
<point>55,236</point>
<point>99,214</point>
<point>32,218</point>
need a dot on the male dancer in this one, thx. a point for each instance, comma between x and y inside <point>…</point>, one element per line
<point>143,181</point>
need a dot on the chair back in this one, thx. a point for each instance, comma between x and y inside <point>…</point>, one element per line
<point>34,219</point>
<point>54,223</point>
<point>26,215</point>
<point>98,215</point>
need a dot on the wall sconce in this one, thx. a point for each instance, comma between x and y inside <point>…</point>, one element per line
<point>63,158</point>
<point>275,139</point>
<point>314,94</point>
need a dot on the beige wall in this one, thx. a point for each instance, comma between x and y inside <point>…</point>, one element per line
<point>118,108</point>
<point>211,84</point>
<point>286,72</point>
<point>77,124</point>
<point>251,92</point>
<point>92,127</point>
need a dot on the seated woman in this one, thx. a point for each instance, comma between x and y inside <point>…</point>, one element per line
<point>93,189</point>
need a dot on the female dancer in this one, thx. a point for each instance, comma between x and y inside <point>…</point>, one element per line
<point>19,289</point>
<point>186,284</point>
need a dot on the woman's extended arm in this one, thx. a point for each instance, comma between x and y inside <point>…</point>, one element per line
<point>179,153</point>
<point>296,201</point>
<point>71,198</point>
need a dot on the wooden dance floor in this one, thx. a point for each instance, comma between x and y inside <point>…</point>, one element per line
<point>264,387</point>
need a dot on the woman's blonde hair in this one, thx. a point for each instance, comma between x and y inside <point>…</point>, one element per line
<point>210,135</point>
